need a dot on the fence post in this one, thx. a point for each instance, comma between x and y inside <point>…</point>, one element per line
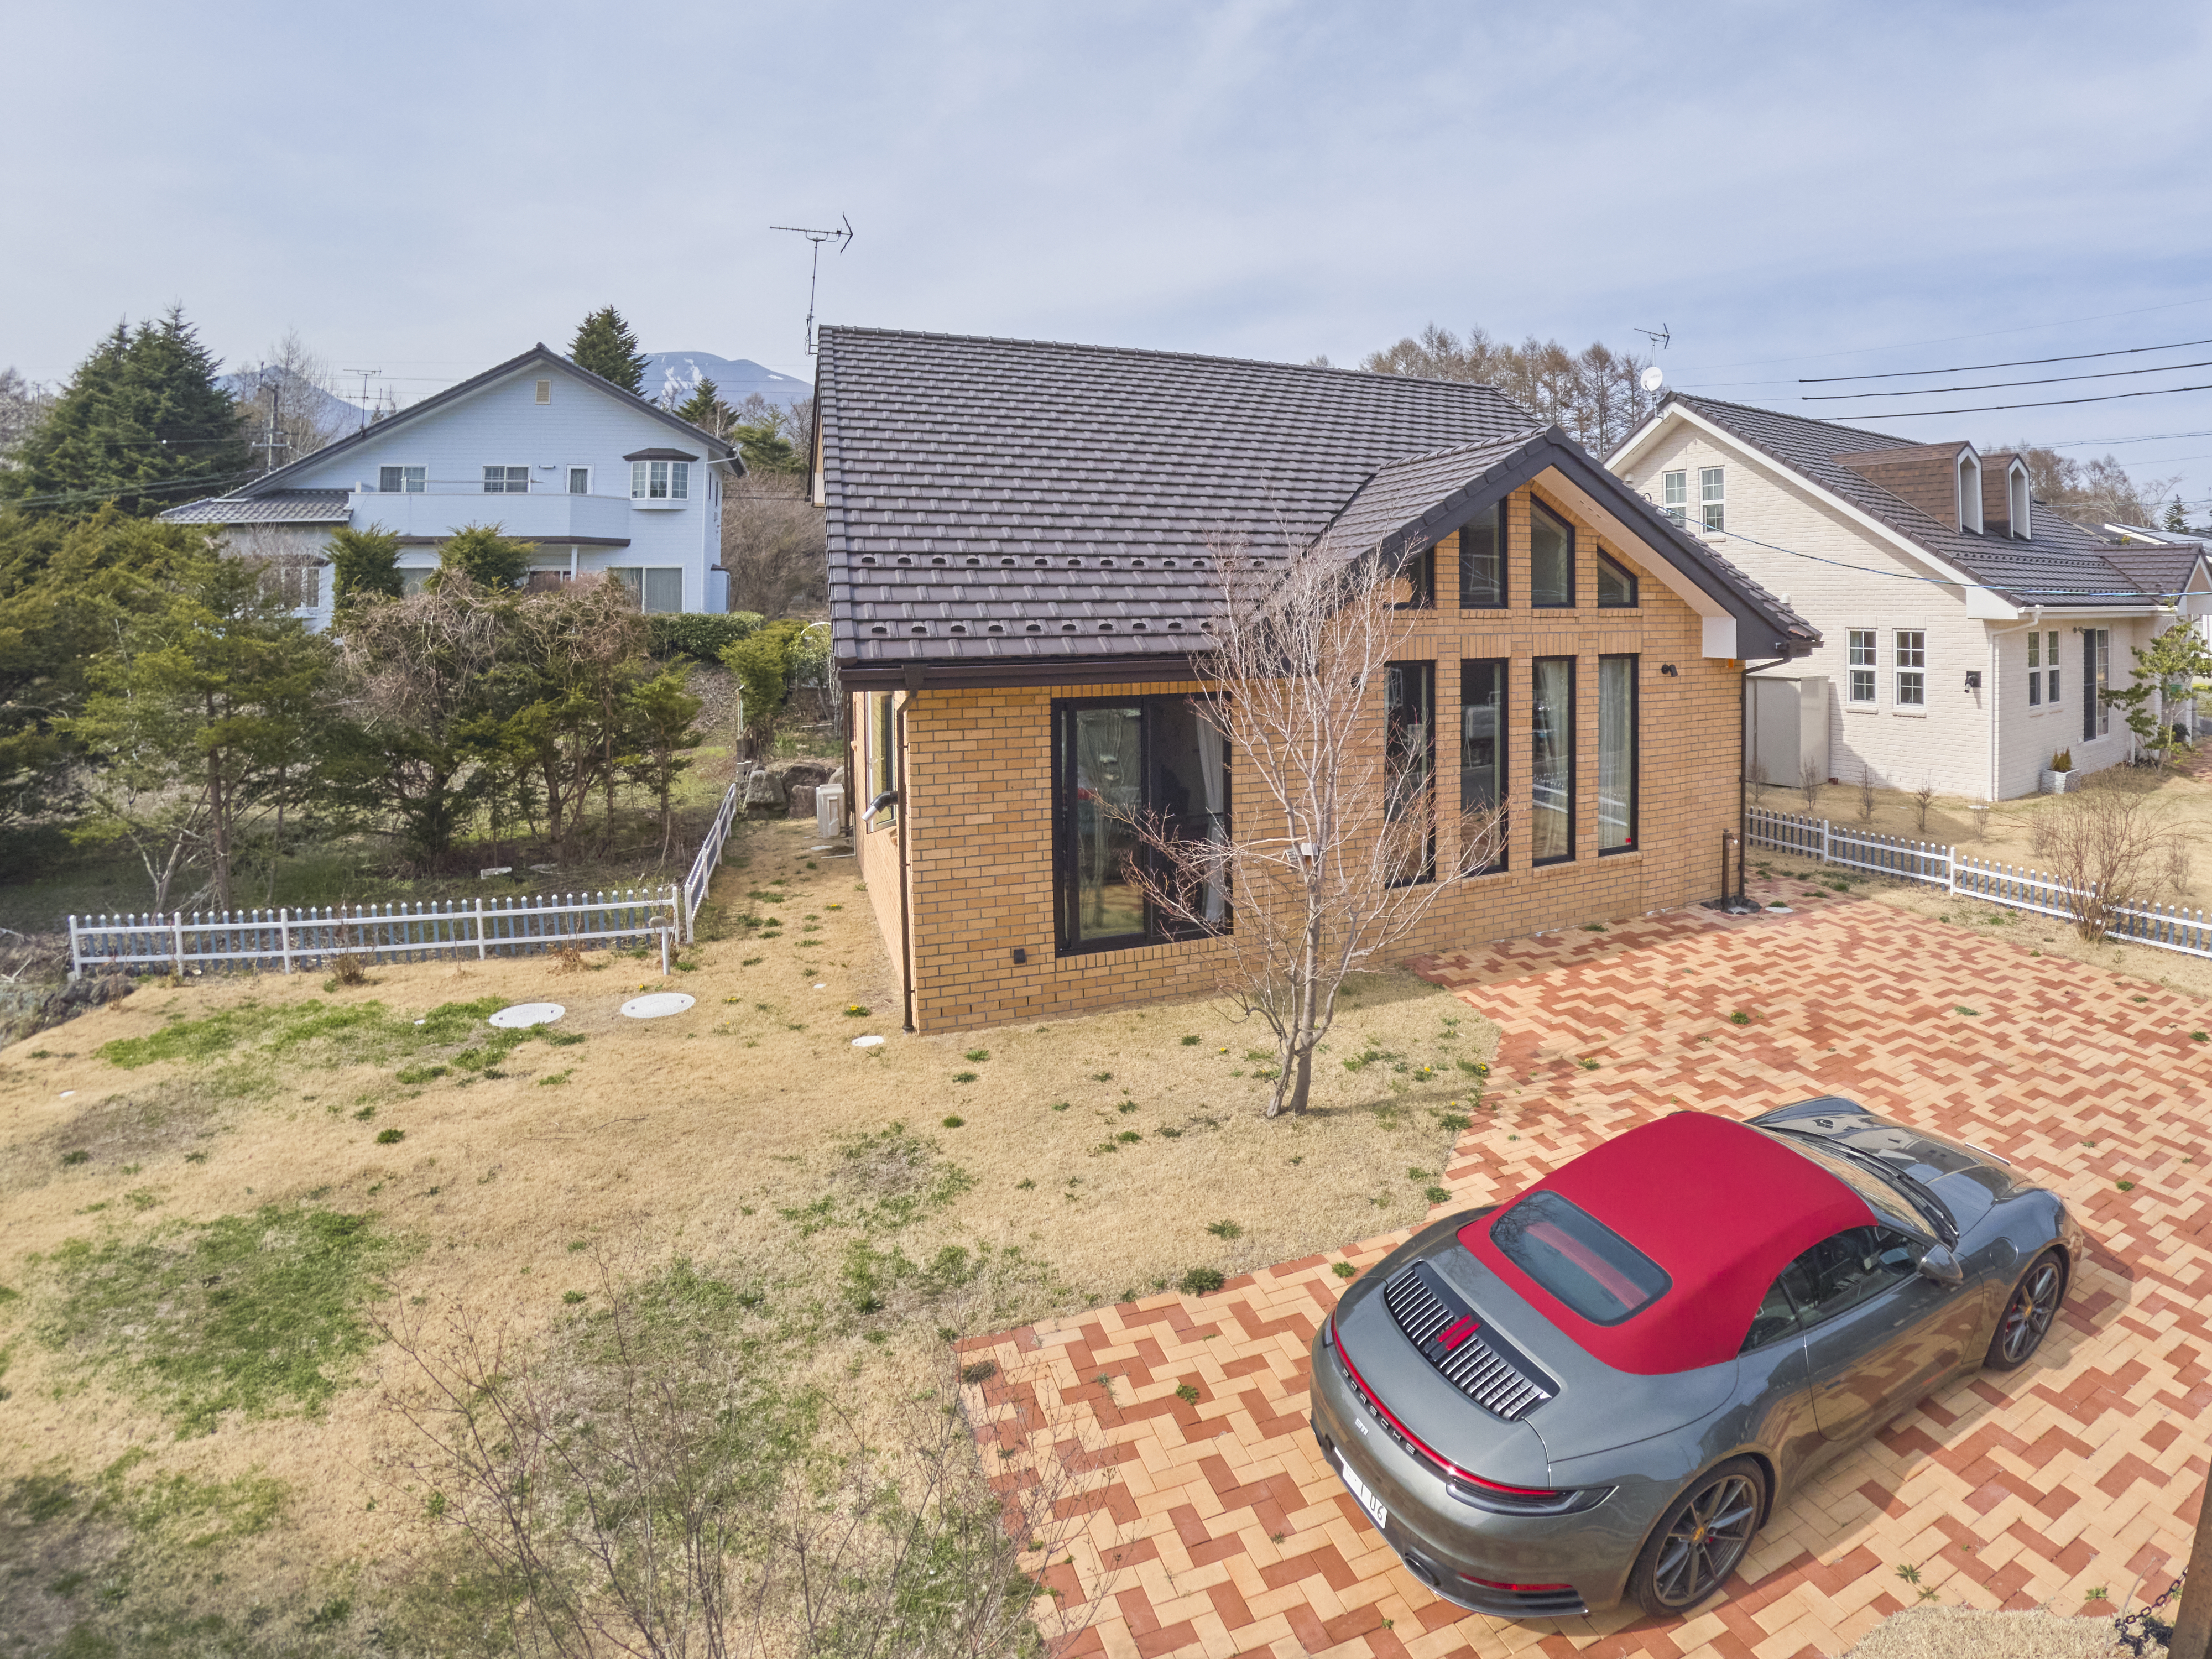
<point>480,936</point>
<point>683,910</point>
<point>284,935</point>
<point>76,963</point>
<point>177,941</point>
<point>1951,870</point>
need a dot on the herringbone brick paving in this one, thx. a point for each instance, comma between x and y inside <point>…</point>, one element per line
<point>1213,1527</point>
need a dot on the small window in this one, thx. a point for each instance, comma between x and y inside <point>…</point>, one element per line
<point>297,587</point>
<point>2050,674</point>
<point>1848,1268</point>
<point>1595,1272</point>
<point>659,588</point>
<point>1777,1315</point>
<point>1712,497</point>
<point>2034,668</point>
<point>1409,765</point>
<point>2096,680</point>
<point>1616,755</point>
<point>507,481</point>
<point>401,481</point>
<point>1482,740</point>
<point>1911,663</point>
<point>1674,495</point>
<point>580,481</point>
<point>1551,760</point>
<point>545,392</point>
<point>1616,584</point>
<point>1482,560</point>
<point>1551,558</point>
<point>883,770</point>
<point>1863,665</point>
<point>1419,574</point>
<point>660,480</point>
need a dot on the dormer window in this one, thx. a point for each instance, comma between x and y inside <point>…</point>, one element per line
<point>1969,493</point>
<point>660,480</point>
<point>2018,500</point>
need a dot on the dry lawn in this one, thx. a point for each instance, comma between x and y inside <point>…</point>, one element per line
<point>1970,1633</point>
<point>1063,1164</point>
<point>2007,834</point>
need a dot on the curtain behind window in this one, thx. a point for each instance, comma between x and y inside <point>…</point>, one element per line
<point>1616,753</point>
<point>1550,759</point>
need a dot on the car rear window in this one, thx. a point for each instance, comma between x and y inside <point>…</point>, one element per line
<point>1578,1259</point>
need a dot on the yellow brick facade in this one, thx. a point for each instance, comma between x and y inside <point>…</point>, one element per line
<point>976,825</point>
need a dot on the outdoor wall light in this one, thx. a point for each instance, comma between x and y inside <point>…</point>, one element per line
<point>1973,679</point>
<point>1670,671</point>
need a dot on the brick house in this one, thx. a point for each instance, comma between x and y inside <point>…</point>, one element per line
<point>1965,628</point>
<point>1021,540</point>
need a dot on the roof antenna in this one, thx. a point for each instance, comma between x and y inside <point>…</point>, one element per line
<point>1662,337</point>
<point>843,238</point>
<point>364,373</point>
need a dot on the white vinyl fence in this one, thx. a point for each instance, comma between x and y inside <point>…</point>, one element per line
<point>481,927</point>
<point>2164,927</point>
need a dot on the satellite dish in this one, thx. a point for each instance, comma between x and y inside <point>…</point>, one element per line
<point>1654,378</point>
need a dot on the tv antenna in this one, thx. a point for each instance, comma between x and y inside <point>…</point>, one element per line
<point>365,374</point>
<point>843,237</point>
<point>1662,337</point>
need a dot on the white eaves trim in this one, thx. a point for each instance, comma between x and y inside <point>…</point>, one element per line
<point>1981,602</point>
<point>1718,626</point>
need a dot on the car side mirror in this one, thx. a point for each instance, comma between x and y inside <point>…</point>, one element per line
<point>1941,1266</point>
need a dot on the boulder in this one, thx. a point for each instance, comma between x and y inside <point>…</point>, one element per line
<point>806,772</point>
<point>802,799</point>
<point>763,792</point>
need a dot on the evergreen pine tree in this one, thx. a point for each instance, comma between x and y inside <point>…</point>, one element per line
<point>705,410</point>
<point>2176,519</point>
<point>142,424</point>
<point>606,346</point>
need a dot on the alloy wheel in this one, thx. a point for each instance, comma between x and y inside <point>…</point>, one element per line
<point>1707,1539</point>
<point>2029,1315</point>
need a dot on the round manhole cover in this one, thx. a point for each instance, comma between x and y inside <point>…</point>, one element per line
<point>527,1013</point>
<point>658,1005</point>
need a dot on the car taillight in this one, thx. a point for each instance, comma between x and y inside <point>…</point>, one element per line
<point>1487,1583</point>
<point>1535,1495</point>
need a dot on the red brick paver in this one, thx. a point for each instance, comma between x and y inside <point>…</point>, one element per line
<point>1214,1527</point>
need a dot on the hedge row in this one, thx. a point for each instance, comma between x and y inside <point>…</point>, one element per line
<point>675,634</point>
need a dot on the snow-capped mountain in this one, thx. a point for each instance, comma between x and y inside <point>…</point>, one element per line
<point>678,373</point>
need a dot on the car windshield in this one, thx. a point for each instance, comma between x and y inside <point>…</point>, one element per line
<point>1890,1199</point>
<point>1589,1266</point>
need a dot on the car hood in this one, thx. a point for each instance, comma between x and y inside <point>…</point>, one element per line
<point>1595,1409</point>
<point>1968,1179</point>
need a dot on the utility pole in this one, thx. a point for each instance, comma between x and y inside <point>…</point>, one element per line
<point>365,374</point>
<point>843,238</point>
<point>272,437</point>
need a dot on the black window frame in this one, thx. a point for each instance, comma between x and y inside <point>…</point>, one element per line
<point>1501,669</point>
<point>1635,661</point>
<point>1419,573</point>
<point>1499,528</point>
<point>1572,754</point>
<point>1066,890</point>
<point>1536,506</point>
<point>1426,671</point>
<point>1606,561</point>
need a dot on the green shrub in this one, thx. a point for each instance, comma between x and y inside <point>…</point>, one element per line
<point>702,638</point>
<point>1202,1281</point>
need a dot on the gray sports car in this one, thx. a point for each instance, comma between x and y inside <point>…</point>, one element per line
<point>1601,1388</point>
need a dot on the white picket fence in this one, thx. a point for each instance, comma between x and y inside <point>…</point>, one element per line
<point>2164,927</point>
<point>313,938</point>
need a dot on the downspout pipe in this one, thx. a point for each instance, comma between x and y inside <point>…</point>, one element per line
<point>1743,759</point>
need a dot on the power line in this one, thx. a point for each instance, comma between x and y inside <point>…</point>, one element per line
<point>161,488</point>
<point>2020,362</point>
<point>1998,386</point>
<point>2052,402</point>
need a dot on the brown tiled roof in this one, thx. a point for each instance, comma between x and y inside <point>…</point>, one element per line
<point>2162,569</point>
<point>1004,503</point>
<point>2062,564</point>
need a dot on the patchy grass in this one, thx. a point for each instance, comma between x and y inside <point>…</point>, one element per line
<point>256,1313</point>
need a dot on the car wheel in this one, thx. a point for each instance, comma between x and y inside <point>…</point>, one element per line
<point>1700,1539</point>
<point>2028,1313</point>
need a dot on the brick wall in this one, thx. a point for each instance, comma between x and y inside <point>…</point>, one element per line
<point>978,803</point>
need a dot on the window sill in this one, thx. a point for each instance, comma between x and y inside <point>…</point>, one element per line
<point>649,506</point>
<point>1909,714</point>
<point>1551,866</point>
<point>1620,852</point>
<point>1862,708</point>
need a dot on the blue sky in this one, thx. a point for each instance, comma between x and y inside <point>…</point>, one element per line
<point>1793,189</point>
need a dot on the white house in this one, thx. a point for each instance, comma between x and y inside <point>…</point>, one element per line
<point>598,479</point>
<point>1965,628</point>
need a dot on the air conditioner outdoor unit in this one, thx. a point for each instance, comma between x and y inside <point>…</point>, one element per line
<point>829,810</point>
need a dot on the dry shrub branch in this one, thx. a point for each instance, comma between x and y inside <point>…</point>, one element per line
<point>1336,854</point>
<point>658,1479</point>
<point>2113,849</point>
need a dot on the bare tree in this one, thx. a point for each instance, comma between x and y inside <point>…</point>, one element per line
<point>774,545</point>
<point>23,404</point>
<point>1759,783</point>
<point>1809,782</point>
<point>1923,799</point>
<point>2111,847</point>
<point>1337,854</point>
<point>2096,491</point>
<point>1866,793</point>
<point>285,401</point>
<point>1597,393</point>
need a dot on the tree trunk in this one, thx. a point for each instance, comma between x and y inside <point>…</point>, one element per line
<point>218,834</point>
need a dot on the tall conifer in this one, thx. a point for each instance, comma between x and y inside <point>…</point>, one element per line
<point>606,346</point>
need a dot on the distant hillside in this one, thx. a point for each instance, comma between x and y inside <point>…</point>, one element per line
<point>334,417</point>
<point>736,379</point>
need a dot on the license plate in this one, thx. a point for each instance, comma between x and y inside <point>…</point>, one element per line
<point>1367,1500</point>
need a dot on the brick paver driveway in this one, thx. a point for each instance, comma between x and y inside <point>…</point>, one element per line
<point>1212,1526</point>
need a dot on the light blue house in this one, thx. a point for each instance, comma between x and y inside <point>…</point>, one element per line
<point>598,479</point>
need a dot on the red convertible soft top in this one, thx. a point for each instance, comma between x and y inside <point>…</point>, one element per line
<point>1719,1206</point>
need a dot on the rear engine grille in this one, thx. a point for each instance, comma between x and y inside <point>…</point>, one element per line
<point>1478,1361</point>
